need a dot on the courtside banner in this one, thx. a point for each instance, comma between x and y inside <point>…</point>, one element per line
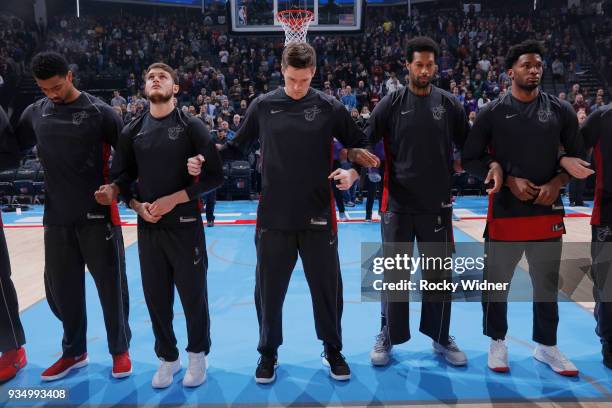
<point>489,271</point>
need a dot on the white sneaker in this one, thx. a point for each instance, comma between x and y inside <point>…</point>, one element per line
<point>196,372</point>
<point>165,373</point>
<point>555,359</point>
<point>451,352</point>
<point>381,352</point>
<point>498,356</point>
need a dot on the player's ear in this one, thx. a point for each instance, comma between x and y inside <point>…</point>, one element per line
<point>511,74</point>
<point>69,76</point>
<point>313,70</point>
<point>175,89</point>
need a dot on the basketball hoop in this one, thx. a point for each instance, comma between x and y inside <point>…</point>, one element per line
<point>295,23</point>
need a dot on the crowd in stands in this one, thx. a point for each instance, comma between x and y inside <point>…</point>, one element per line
<point>220,74</point>
<point>597,30</point>
<point>17,42</point>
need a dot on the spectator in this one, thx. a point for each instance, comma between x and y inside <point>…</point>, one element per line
<point>470,104</point>
<point>457,95</point>
<point>131,114</point>
<point>235,123</point>
<point>376,92</point>
<point>365,113</point>
<point>226,128</point>
<point>484,64</point>
<point>393,84</point>
<point>242,109</point>
<point>600,92</point>
<point>471,118</point>
<point>227,111</point>
<point>357,118</point>
<point>235,92</point>
<point>571,97</point>
<point>209,108</point>
<point>349,100</point>
<point>558,70</point>
<point>118,110</point>
<point>118,100</point>
<point>599,102</point>
<point>327,89</point>
<point>251,94</point>
<point>483,100</point>
<point>362,95</point>
<point>579,103</point>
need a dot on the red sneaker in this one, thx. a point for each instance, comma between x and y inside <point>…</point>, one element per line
<point>63,366</point>
<point>11,362</point>
<point>122,365</point>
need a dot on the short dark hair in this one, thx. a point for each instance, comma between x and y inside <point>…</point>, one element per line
<point>46,65</point>
<point>164,67</point>
<point>421,44</point>
<point>526,47</point>
<point>299,55</point>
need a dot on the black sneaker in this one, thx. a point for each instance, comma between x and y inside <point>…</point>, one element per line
<point>338,368</point>
<point>210,223</point>
<point>266,369</point>
<point>606,351</point>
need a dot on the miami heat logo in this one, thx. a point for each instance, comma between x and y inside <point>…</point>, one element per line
<point>602,233</point>
<point>544,115</point>
<point>174,132</point>
<point>438,112</point>
<point>78,117</point>
<point>311,114</point>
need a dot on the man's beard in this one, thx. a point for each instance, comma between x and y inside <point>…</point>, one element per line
<point>526,87</point>
<point>160,98</point>
<point>417,83</point>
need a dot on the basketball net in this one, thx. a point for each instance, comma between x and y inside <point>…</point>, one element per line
<point>295,23</point>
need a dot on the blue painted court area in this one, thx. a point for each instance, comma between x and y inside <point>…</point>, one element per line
<point>415,375</point>
<point>237,212</point>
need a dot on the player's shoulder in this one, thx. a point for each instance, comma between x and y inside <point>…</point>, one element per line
<point>393,99</point>
<point>134,125</point>
<point>496,105</point>
<point>98,105</point>
<point>555,103</point>
<point>325,98</point>
<point>599,115</point>
<point>447,97</point>
<point>603,112</point>
<point>396,96</point>
<point>38,105</point>
<point>193,122</point>
<point>94,100</point>
<point>444,94</point>
<point>268,97</point>
<point>606,111</point>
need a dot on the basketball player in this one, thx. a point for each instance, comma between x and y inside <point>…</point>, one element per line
<point>515,142</point>
<point>12,338</point>
<point>295,125</point>
<point>74,132</point>
<point>418,125</point>
<point>154,149</point>
<point>597,133</point>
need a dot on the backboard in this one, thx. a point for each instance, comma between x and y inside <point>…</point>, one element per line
<point>260,16</point>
